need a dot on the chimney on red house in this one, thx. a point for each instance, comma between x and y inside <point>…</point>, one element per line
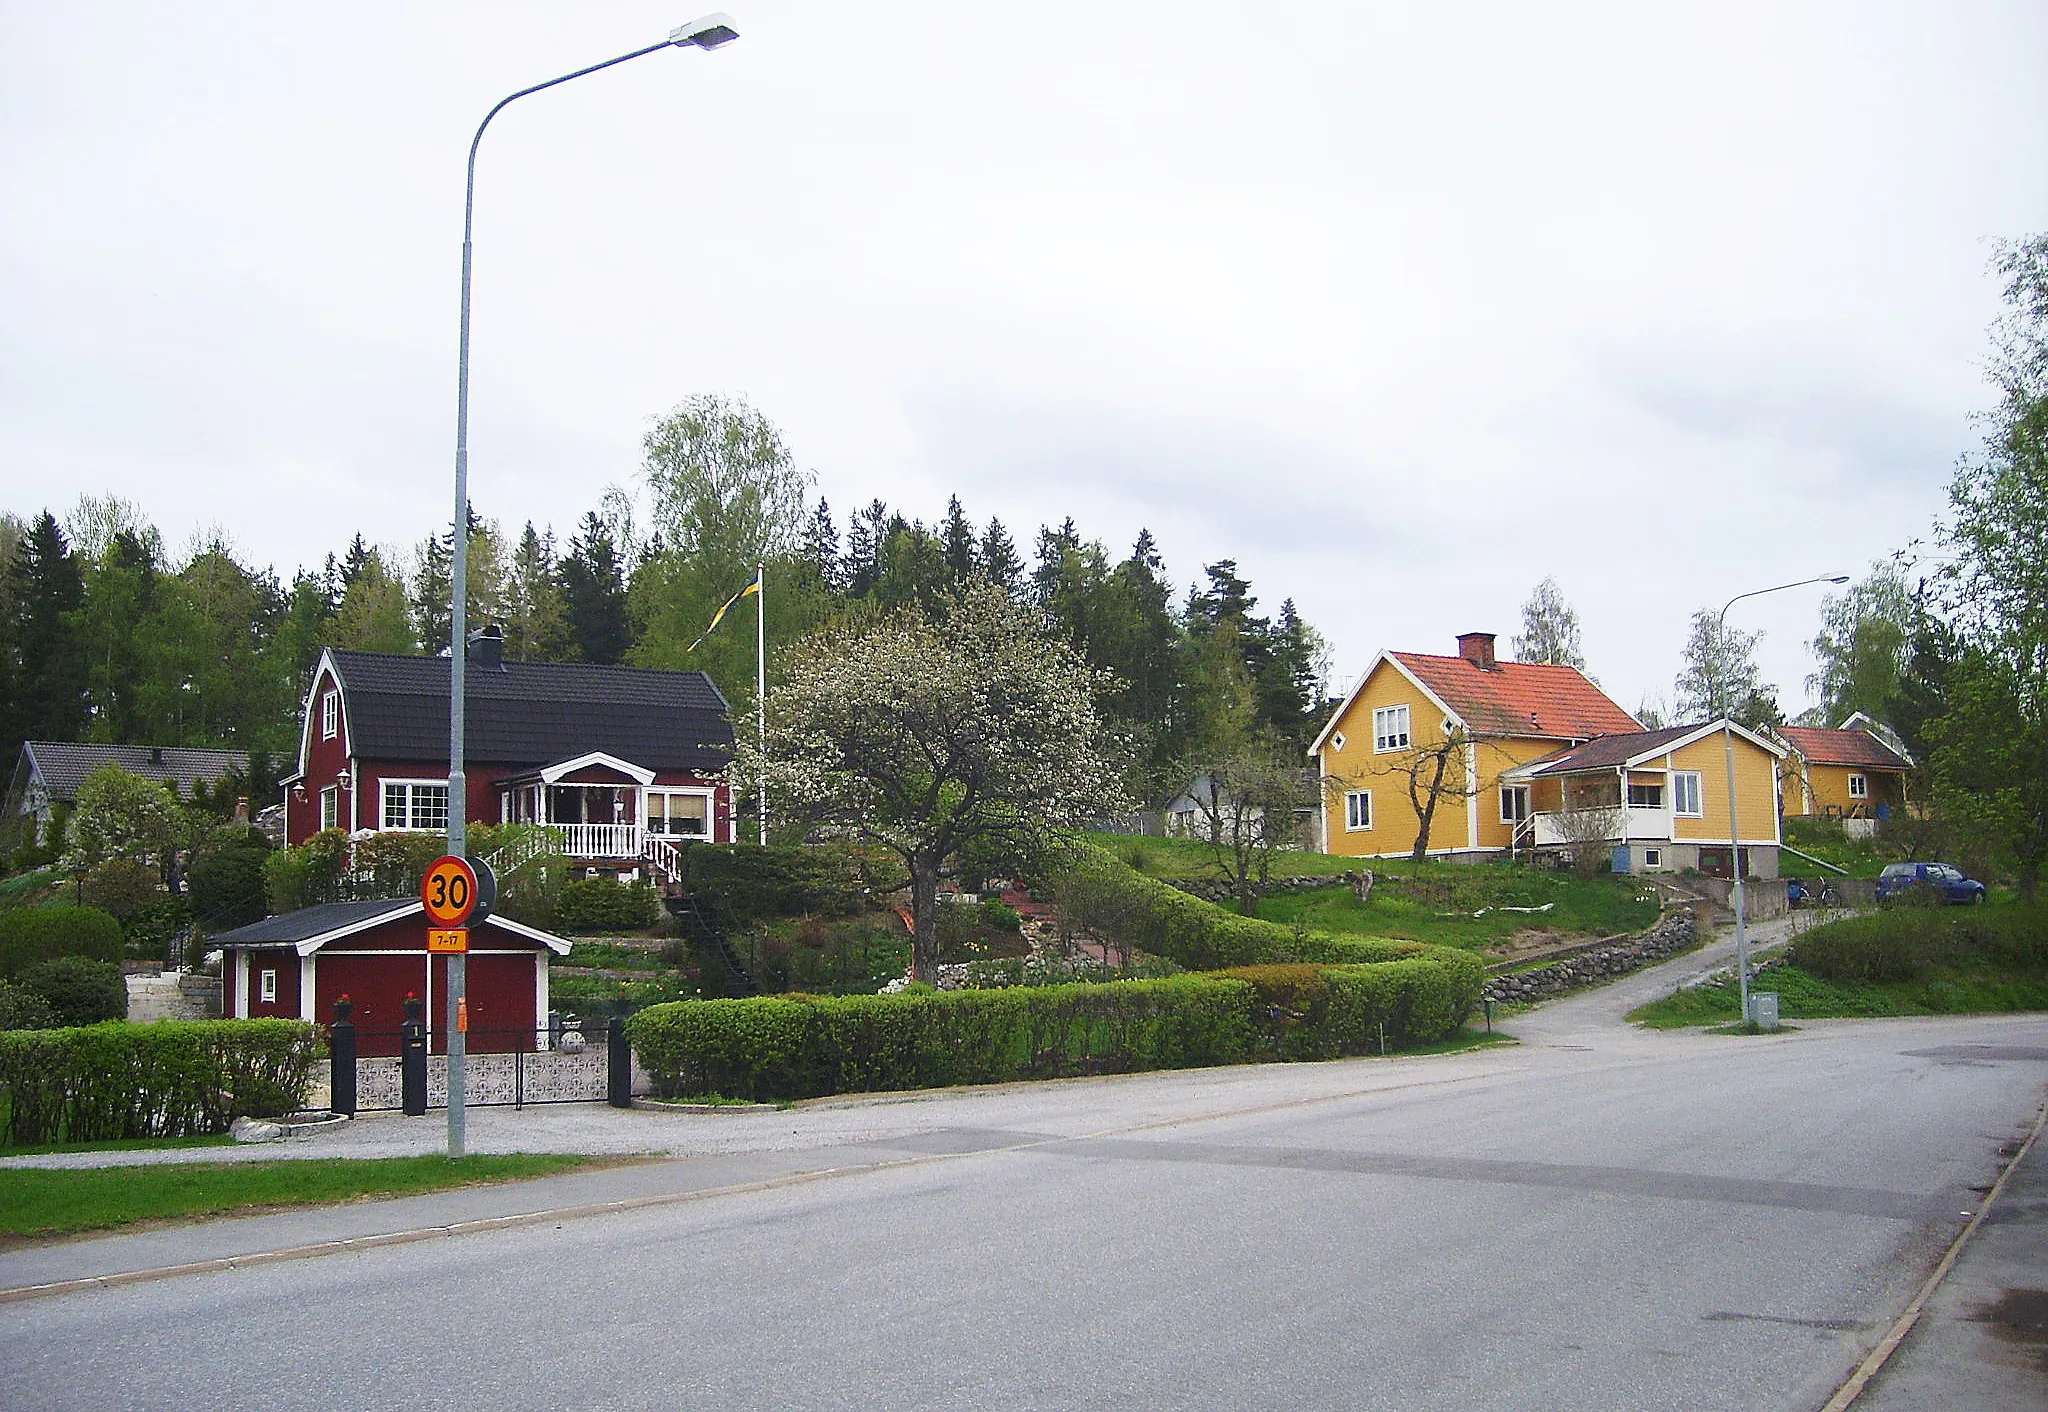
<point>1477,648</point>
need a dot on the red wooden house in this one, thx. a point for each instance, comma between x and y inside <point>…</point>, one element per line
<point>296,965</point>
<point>622,762</point>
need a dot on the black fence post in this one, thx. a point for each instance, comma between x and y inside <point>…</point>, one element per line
<point>412,1064</point>
<point>618,1059</point>
<point>341,1060</point>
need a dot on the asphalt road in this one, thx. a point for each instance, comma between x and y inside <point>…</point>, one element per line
<point>1599,1219</point>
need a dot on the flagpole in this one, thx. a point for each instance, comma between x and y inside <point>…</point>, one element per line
<point>761,683</point>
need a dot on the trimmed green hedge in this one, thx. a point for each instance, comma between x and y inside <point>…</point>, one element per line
<point>169,1079</point>
<point>746,882</point>
<point>804,1046</point>
<point>1904,944</point>
<point>32,934</point>
<point>601,905</point>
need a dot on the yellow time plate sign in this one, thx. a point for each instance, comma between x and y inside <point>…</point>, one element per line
<point>448,939</point>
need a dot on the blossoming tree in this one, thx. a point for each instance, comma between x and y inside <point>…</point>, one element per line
<point>929,734</point>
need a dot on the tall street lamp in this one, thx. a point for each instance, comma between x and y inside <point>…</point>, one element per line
<point>1728,749</point>
<point>710,32</point>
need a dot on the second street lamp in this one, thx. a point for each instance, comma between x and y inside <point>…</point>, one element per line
<point>1728,749</point>
<point>710,32</point>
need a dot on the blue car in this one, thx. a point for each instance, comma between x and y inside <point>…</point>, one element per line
<point>1899,879</point>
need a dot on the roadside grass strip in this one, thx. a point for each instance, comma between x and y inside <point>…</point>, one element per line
<point>40,1203</point>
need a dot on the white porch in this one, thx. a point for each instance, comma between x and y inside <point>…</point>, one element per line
<point>1629,823</point>
<point>626,816</point>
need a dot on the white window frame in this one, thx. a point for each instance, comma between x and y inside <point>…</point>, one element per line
<point>330,807</point>
<point>1520,793</point>
<point>1337,741</point>
<point>411,813</point>
<point>1684,784</point>
<point>673,792</point>
<point>330,714</point>
<point>266,986</point>
<point>1859,786</point>
<point>1633,787</point>
<point>1653,857</point>
<point>1353,799</point>
<point>1390,729</point>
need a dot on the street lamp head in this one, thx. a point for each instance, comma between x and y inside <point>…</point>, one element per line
<point>1839,578</point>
<point>709,32</point>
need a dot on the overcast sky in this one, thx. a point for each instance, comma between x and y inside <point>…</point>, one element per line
<point>1403,306</point>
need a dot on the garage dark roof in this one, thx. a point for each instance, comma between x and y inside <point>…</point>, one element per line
<point>64,765</point>
<point>532,713</point>
<point>309,922</point>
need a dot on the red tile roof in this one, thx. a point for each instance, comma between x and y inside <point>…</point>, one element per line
<point>1825,747</point>
<point>1520,698</point>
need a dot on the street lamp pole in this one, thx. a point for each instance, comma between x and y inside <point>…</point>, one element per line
<point>1728,750</point>
<point>710,32</point>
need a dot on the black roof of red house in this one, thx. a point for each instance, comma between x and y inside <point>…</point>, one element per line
<point>535,713</point>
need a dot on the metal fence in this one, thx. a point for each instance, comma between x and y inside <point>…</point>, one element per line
<point>568,1062</point>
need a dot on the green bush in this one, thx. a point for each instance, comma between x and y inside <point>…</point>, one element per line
<point>226,888</point>
<point>743,883</point>
<point>170,1079</point>
<point>120,886</point>
<point>32,934</point>
<point>1904,944</point>
<point>308,874</point>
<point>601,905</point>
<point>79,989</point>
<point>999,915</point>
<point>148,930</point>
<point>807,1046</point>
<point>22,1009</point>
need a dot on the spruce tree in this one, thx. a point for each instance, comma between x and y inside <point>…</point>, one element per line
<point>49,587</point>
<point>594,593</point>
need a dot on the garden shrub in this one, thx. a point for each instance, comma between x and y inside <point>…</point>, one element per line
<point>1877,947</point>
<point>999,915</point>
<point>747,882</point>
<point>32,934</point>
<point>174,1078</point>
<point>601,905</point>
<point>22,1009</point>
<point>79,989</point>
<point>148,930</point>
<point>120,886</point>
<point>226,888</point>
<point>308,874</point>
<point>807,1046</point>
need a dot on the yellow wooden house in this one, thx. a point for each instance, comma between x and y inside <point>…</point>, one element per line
<point>1423,734</point>
<point>1856,773</point>
<point>1658,801</point>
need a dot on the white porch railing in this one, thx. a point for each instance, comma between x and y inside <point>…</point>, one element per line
<point>1629,823</point>
<point>600,840</point>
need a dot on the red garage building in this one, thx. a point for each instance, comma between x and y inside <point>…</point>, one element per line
<point>295,966</point>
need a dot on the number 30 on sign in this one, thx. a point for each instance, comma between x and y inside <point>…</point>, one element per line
<point>449,891</point>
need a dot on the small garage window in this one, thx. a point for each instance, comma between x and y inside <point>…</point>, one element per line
<point>266,987</point>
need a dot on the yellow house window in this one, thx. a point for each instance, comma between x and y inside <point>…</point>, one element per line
<point>1390,728</point>
<point>1357,810</point>
<point>1859,786</point>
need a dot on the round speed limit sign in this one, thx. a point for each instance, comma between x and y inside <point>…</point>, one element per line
<point>449,891</point>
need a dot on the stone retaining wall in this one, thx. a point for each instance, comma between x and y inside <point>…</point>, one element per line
<point>1598,961</point>
<point>1223,892</point>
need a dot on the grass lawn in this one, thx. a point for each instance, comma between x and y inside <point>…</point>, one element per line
<point>1826,840</point>
<point>1804,996</point>
<point>36,1202</point>
<point>1602,907</point>
<point>1428,901</point>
